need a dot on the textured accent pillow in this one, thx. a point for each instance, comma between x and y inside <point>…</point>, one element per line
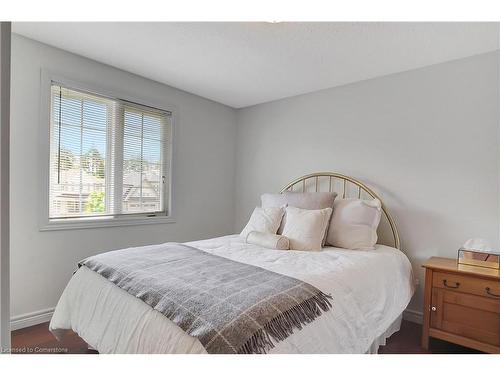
<point>269,240</point>
<point>307,201</point>
<point>354,224</point>
<point>264,219</point>
<point>305,229</point>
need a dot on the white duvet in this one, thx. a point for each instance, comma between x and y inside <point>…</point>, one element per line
<point>370,290</point>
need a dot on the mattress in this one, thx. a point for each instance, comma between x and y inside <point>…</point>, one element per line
<point>370,290</point>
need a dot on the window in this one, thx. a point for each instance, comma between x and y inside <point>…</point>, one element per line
<point>109,158</point>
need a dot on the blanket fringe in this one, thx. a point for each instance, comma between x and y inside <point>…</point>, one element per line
<point>281,326</point>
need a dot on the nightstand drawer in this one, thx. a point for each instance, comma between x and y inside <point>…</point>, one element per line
<point>466,284</point>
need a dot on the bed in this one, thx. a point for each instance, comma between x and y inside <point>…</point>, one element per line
<point>369,289</point>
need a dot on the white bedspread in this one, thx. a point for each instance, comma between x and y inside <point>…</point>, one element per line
<point>370,289</point>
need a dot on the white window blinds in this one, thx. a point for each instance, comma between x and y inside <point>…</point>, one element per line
<point>108,157</point>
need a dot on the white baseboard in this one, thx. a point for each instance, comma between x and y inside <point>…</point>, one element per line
<point>30,319</point>
<point>413,316</point>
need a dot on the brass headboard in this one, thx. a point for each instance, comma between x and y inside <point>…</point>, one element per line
<point>344,186</point>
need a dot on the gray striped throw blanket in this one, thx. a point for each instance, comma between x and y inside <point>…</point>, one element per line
<point>230,307</point>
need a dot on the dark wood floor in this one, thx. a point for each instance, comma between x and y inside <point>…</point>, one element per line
<point>407,341</point>
<point>38,339</point>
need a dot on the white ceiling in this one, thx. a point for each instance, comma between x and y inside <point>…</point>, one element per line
<point>242,64</point>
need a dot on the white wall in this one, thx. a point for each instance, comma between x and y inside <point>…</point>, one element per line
<point>5,37</point>
<point>203,175</point>
<point>426,140</point>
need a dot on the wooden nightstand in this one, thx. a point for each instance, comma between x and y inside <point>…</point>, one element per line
<point>461,305</point>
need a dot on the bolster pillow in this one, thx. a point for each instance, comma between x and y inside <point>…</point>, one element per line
<point>269,240</point>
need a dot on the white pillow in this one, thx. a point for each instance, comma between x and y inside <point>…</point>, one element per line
<point>307,201</point>
<point>265,220</point>
<point>269,240</point>
<point>306,229</point>
<point>354,224</point>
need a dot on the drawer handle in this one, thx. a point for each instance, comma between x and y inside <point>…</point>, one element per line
<point>445,283</point>
<point>488,291</point>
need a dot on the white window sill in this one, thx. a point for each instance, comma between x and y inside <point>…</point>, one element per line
<point>66,224</point>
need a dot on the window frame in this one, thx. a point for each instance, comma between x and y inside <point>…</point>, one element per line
<point>45,223</point>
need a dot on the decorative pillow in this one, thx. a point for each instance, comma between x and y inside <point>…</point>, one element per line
<point>265,220</point>
<point>307,201</point>
<point>306,229</point>
<point>269,240</point>
<point>354,224</point>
